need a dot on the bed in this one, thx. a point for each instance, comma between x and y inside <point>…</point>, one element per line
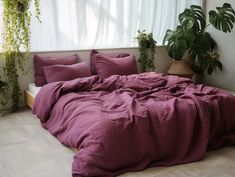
<point>30,94</point>
<point>129,123</point>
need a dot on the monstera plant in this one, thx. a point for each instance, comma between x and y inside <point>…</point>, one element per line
<point>16,42</point>
<point>191,42</point>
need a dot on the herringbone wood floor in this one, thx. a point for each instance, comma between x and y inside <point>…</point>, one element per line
<point>27,150</point>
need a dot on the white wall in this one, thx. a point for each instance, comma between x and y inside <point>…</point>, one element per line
<point>161,62</point>
<point>226,49</point>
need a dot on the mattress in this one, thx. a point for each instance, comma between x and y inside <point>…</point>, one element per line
<point>33,89</point>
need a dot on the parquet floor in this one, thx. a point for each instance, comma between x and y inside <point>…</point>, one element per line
<point>27,150</point>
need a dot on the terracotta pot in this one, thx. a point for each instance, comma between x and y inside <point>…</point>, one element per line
<point>180,68</point>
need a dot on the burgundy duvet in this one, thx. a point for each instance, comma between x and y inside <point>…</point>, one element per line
<point>128,123</point>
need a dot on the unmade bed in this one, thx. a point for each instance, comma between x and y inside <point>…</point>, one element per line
<point>129,123</point>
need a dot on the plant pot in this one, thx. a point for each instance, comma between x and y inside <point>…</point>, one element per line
<point>180,68</point>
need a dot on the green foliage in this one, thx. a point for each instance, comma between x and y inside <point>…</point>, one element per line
<point>146,45</point>
<point>223,19</point>
<point>2,85</point>
<point>3,92</point>
<point>16,42</point>
<point>191,41</point>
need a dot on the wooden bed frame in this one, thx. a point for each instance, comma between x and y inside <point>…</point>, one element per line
<point>29,99</point>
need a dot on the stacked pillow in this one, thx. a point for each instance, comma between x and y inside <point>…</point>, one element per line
<point>49,69</point>
<point>53,69</point>
<point>66,72</point>
<point>106,65</point>
<point>94,53</point>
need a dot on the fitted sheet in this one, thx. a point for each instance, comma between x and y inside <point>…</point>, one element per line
<point>33,89</point>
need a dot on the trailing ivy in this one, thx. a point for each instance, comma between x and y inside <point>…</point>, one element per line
<point>146,45</point>
<point>16,42</point>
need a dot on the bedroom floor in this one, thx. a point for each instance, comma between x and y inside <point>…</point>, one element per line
<point>27,150</point>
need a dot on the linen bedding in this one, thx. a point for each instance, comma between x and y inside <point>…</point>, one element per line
<point>128,123</point>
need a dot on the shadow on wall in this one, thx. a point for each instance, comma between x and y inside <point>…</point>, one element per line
<point>224,79</point>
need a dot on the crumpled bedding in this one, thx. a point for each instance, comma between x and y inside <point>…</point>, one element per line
<point>129,123</point>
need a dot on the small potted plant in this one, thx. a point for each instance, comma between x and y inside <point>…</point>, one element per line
<point>190,42</point>
<point>146,45</point>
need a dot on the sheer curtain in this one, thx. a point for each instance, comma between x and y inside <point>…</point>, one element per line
<point>79,24</point>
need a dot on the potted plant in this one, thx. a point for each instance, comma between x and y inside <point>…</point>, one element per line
<point>146,45</point>
<point>191,43</point>
<point>16,43</point>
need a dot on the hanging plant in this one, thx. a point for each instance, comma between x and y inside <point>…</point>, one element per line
<point>16,42</point>
<point>146,45</point>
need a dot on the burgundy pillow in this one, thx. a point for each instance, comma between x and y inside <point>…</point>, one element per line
<point>93,56</point>
<point>66,72</point>
<point>40,62</point>
<point>107,66</point>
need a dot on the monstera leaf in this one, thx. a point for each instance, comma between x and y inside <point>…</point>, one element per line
<point>209,62</point>
<point>202,44</point>
<point>179,42</point>
<point>176,43</point>
<point>223,19</point>
<point>193,18</point>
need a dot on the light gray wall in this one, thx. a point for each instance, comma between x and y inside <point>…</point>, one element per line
<point>161,62</point>
<point>226,49</point>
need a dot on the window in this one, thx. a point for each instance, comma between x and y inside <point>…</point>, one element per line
<point>79,24</point>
